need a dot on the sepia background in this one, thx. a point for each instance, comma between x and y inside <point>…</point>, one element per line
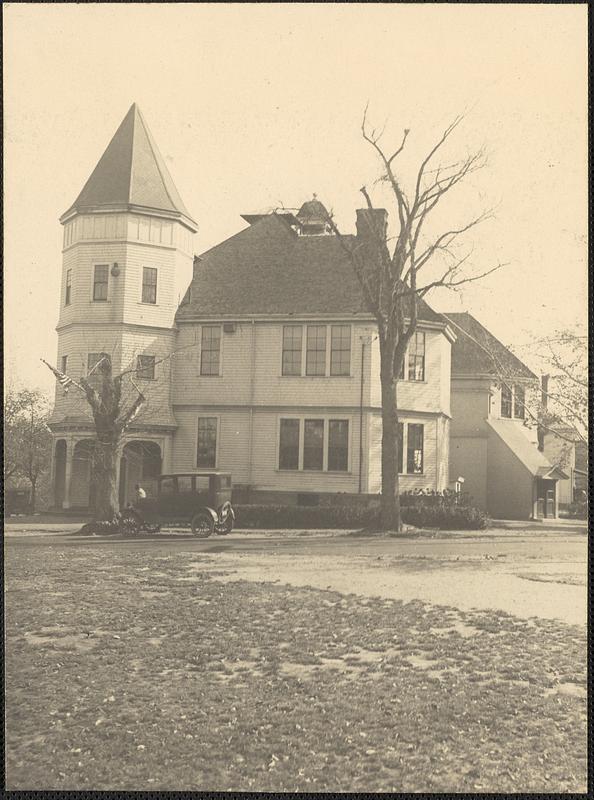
<point>255,106</point>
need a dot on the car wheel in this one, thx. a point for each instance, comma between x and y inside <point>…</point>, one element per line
<point>228,519</point>
<point>202,525</point>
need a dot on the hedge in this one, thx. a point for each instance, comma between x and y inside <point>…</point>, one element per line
<point>418,509</point>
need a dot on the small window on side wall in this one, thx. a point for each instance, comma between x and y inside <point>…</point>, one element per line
<point>68,296</point>
<point>506,401</point>
<point>519,402</point>
<point>145,368</point>
<point>210,350</point>
<point>206,451</point>
<point>414,450</point>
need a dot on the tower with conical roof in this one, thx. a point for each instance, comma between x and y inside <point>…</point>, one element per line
<point>127,260</point>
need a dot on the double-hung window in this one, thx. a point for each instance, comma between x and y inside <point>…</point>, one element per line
<point>210,350</point>
<point>340,350</point>
<point>400,446</point>
<point>145,367</point>
<point>414,450</point>
<point>68,295</point>
<point>314,445</point>
<point>206,450</point>
<point>338,445</point>
<point>64,364</point>
<point>292,344</point>
<point>100,279</point>
<point>506,401</point>
<point>94,368</point>
<point>416,357</point>
<point>288,454</point>
<point>315,359</point>
<point>149,285</point>
<point>519,401</point>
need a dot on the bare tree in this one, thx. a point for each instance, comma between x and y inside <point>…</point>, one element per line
<point>27,438</point>
<point>391,273</point>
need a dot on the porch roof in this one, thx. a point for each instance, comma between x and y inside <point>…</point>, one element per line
<point>511,433</point>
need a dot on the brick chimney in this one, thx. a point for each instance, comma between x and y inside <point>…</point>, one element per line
<point>372,223</point>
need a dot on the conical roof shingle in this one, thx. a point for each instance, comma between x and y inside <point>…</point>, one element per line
<point>131,173</point>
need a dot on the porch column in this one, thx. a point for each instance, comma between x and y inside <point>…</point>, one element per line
<point>166,454</point>
<point>68,472</point>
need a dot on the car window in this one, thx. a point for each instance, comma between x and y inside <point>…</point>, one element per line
<point>184,484</point>
<point>167,487</point>
<point>202,483</point>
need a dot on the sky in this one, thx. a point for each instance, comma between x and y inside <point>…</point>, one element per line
<point>259,105</point>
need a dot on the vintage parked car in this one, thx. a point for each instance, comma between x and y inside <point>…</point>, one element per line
<point>202,499</point>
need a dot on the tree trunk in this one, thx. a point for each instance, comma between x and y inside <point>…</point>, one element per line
<point>104,477</point>
<point>390,501</point>
<point>32,497</point>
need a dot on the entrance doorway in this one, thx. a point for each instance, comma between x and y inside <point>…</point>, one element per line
<point>140,463</point>
<point>545,499</point>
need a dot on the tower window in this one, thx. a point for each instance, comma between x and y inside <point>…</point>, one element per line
<point>149,285</point>
<point>145,367</point>
<point>64,364</point>
<point>68,296</point>
<point>100,279</point>
<point>416,357</point>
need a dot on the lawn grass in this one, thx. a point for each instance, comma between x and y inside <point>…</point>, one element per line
<point>133,669</point>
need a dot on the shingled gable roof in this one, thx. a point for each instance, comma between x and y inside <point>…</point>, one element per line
<point>267,269</point>
<point>131,174</point>
<point>477,352</point>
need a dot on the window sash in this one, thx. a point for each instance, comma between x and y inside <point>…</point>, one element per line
<point>338,445</point>
<point>100,279</point>
<point>519,402</point>
<point>313,444</point>
<point>288,456</point>
<point>145,367</point>
<point>340,350</point>
<point>506,402</point>
<point>149,285</point>
<point>416,357</point>
<point>414,454</point>
<point>315,358</point>
<point>292,345</point>
<point>206,447</point>
<point>68,296</point>
<point>210,350</point>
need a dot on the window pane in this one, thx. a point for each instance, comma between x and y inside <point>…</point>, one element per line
<point>68,287</point>
<point>313,444</point>
<point>414,451</point>
<point>288,457</point>
<point>506,401</point>
<point>292,337</point>
<point>416,357</point>
<point>340,351</point>
<point>145,367</point>
<point>166,486</point>
<point>400,446</point>
<point>315,362</point>
<point>210,350</point>
<point>100,282</point>
<point>519,400</point>
<point>149,285</point>
<point>338,445</point>
<point>207,442</point>
<point>184,484</point>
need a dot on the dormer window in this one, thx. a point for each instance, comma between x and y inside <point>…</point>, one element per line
<point>506,402</point>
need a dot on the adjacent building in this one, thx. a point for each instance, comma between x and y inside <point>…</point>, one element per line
<point>494,446</point>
